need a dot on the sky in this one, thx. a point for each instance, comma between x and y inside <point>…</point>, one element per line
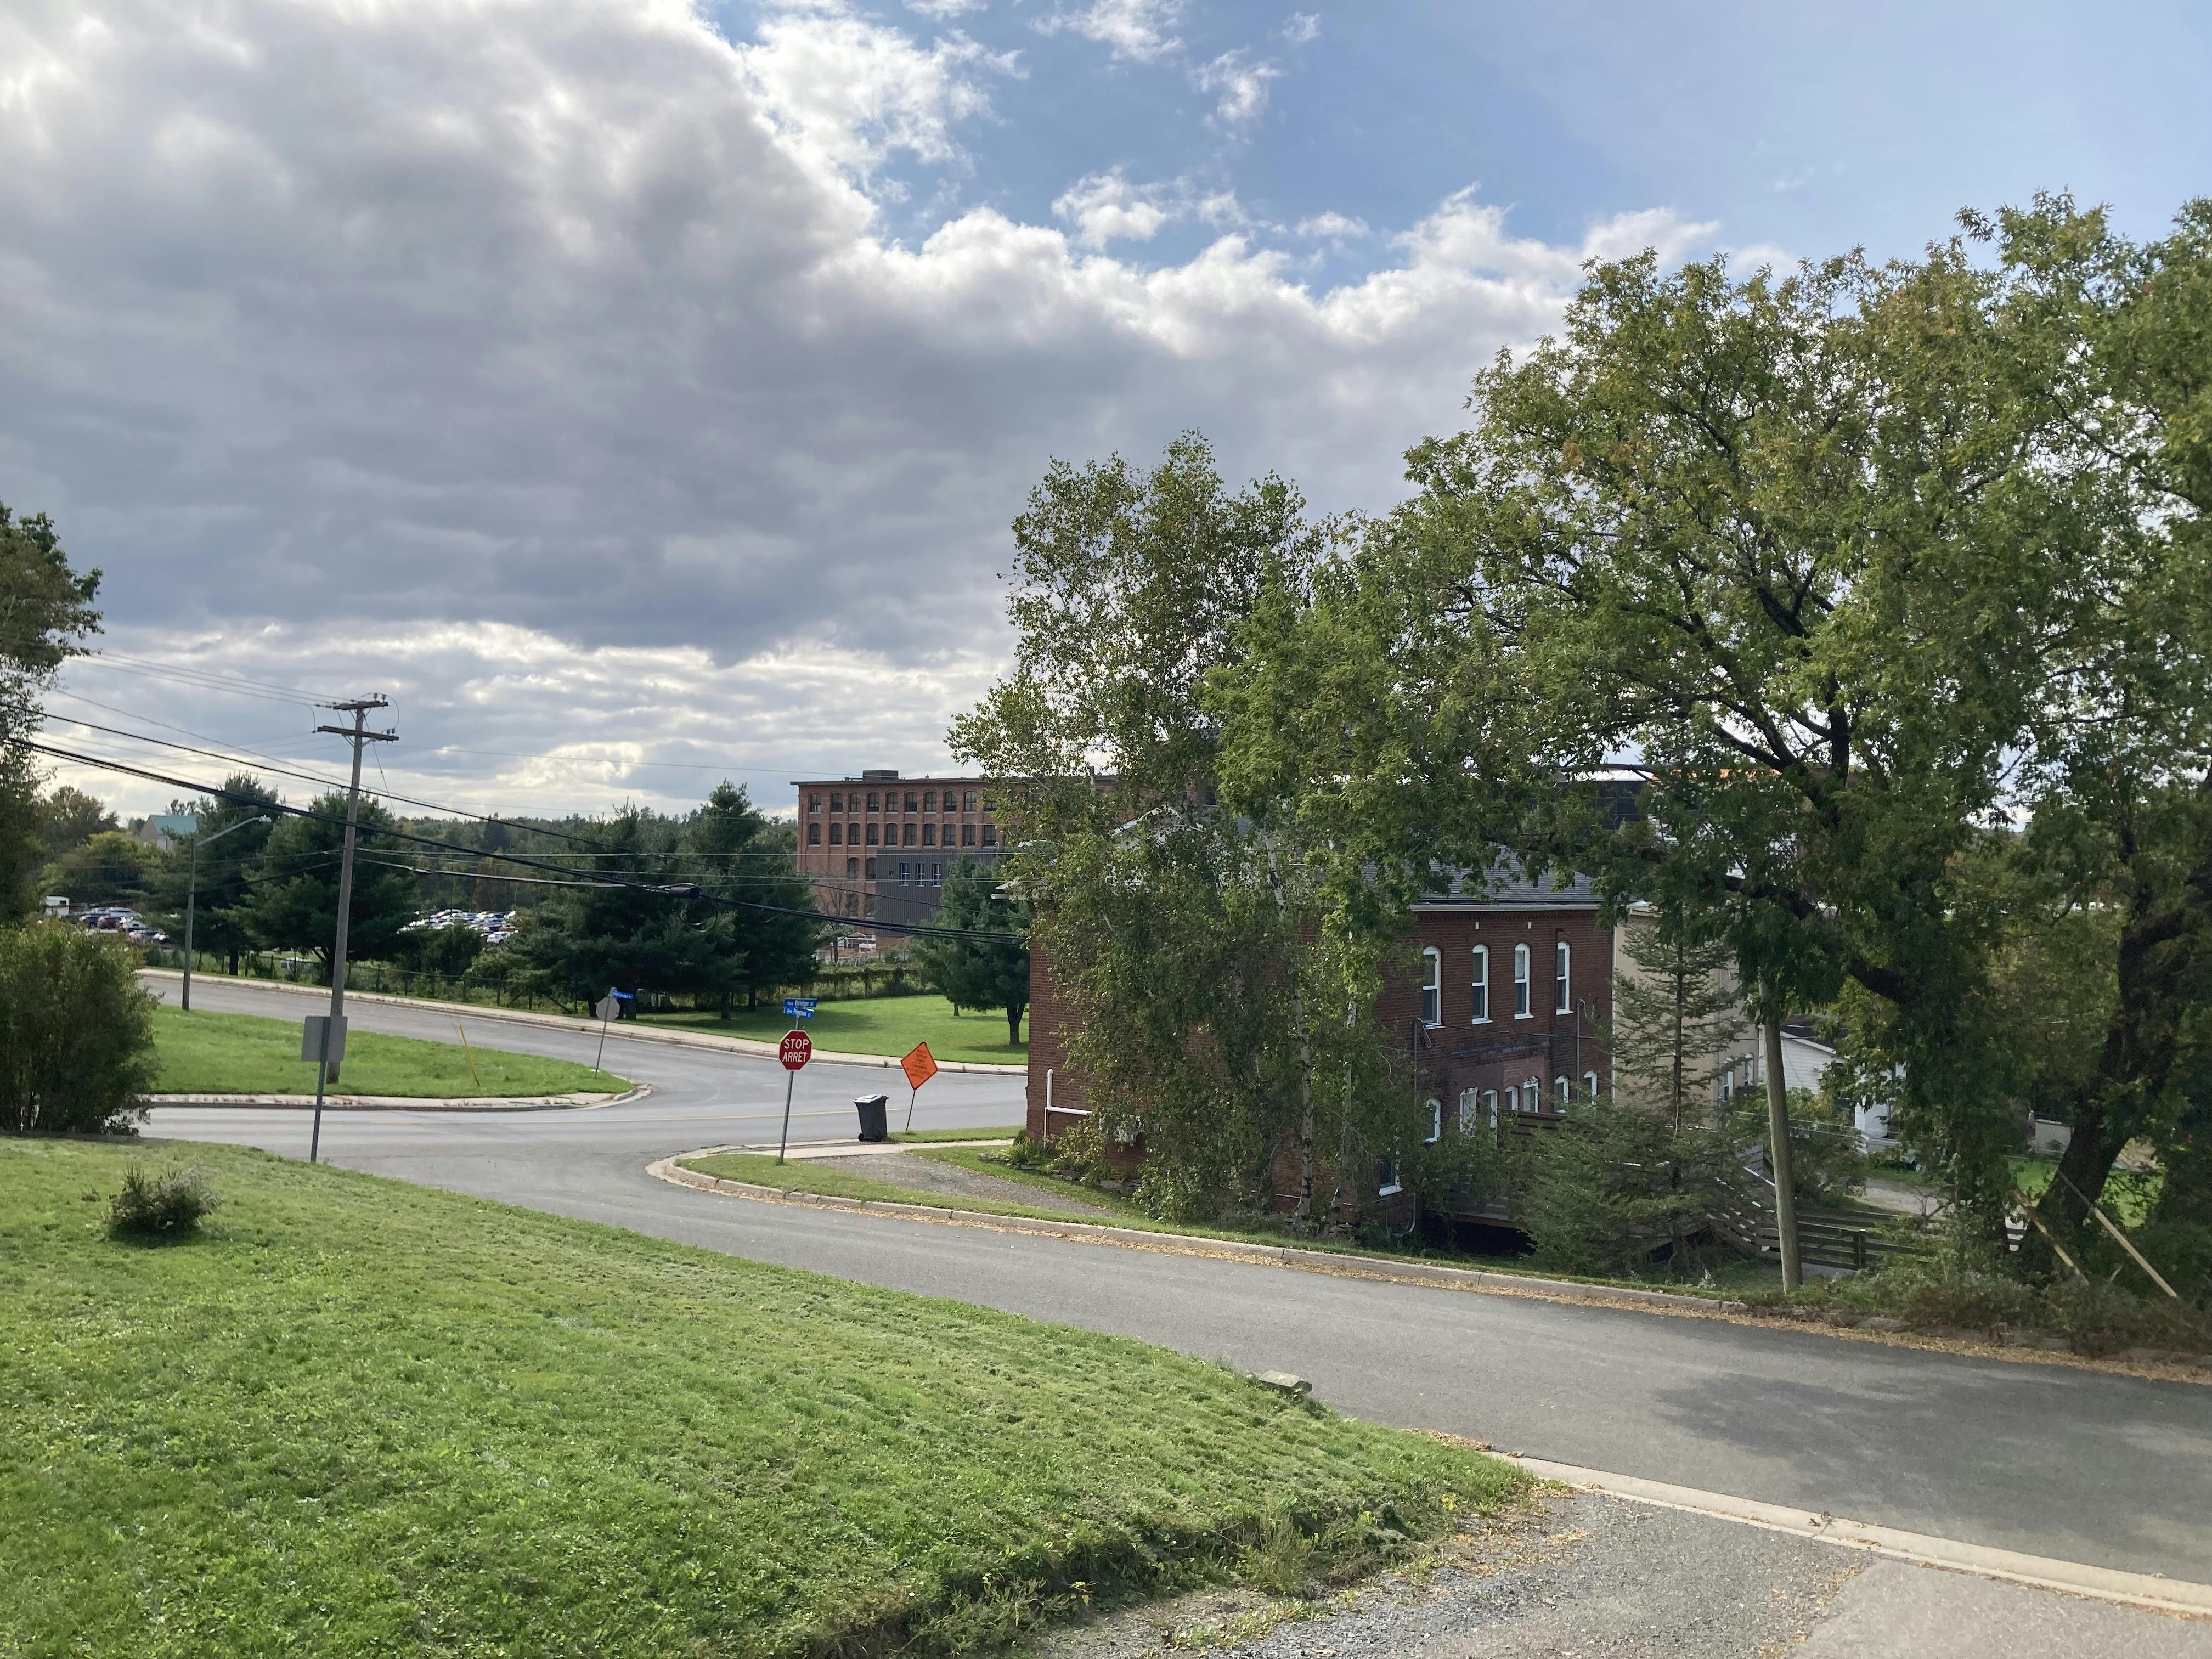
<point>639,394</point>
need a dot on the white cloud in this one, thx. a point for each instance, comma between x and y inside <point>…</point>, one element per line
<point>1302,27</point>
<point>942,11</point>
<point>1333,226</point>
<point>1133,29</point>
<point>548,363</point>
<point>1242,83</point>
<point>1105,207</point>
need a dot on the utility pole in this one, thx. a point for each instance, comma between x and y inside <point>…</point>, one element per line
<point>192,899</point>
<point>1779,1155</point>
<point>360,737</point>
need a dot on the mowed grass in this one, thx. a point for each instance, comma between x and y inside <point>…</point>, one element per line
<point>360,1417</point>
<point>876,1026</point>
<point>203,1052</point>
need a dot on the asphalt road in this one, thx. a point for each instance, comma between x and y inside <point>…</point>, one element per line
<point>2114,1471</point>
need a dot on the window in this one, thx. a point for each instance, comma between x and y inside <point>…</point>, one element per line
<point>929,835</point>
<point>814,835</point>
<point>929,800</point>
<point>872,834</point>
<point>852,869</point>
<point>1435,1123</point>
<point>1490,1106</point>
<point>902,872</point>
<point>875,801</point>
<point>989,805</point>
<point>851,904</point>
<point>836,803</point>
<point>1470,1109</point>
<point>949,831</point>
<point>967,835</point>
<point>872,869</point>
<point>836,834</point>
<point>1481,984</point>
<point>968,801</point>
<point>937,875</point>
<point>906,835</point>
<point>1563,1091</point>
<point>1512,1100</point>
<point>814,803</point>
<point>1385,1178</point>
<point>909,800</point>
<point>1520,981</point>
<point>1589,1085</point>
<point>1532,1095</point>
<point>990,834</point>
<point>1433,988</point>
<point>1561,1001</point>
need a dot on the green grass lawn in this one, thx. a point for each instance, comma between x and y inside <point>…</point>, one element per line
<point>830,1177</point>
<point>875,1025</point>
<point>204,1052</point>
<point>356,1416</point>
<point>2127,1197</point>
<point>936,1135</point>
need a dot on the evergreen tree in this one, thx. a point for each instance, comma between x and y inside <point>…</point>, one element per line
<point>980,973</point>
<point>732,853</point>
<point>294,901</point>
<point>1675,1017</point>
<point>638,932</point>
<point>221,923</point>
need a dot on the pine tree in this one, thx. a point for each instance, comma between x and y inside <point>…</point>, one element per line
<point>1675,1017</point>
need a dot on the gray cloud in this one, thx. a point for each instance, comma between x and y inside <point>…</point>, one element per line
<point>521,357</point>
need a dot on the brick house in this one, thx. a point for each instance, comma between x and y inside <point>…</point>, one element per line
<point>1503,1010</point>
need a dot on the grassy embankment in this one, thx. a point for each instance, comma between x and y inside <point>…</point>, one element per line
<point>874,1025</point>
<point>203,1052</point>
<point>358,1416</point>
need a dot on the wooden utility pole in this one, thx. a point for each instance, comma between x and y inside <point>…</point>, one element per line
<point>360,737</point>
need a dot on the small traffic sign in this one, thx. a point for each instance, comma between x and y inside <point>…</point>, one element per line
<point>920,1066</point>
<point>607,1008</point>
<point>795,1050</point>
<point>798,1007</point>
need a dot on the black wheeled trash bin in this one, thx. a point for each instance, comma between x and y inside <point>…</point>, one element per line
<point>875,1123</point>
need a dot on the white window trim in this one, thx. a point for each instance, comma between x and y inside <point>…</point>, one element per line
<point>1532,1095</point>
<point>1512,1098</point>
<point>1563,1091</point>
<point>1481,985</point>
<point>1489,1105</point>
<point>1524,1002</point>
<point>1589,1085</point>
<point>1435,1123</point>
<point>1433,988</point>
<point>1563,982</point>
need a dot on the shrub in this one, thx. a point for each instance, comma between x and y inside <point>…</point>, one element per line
<point>1613,1185</point>
<point>164,1205</point>
<point>76,1033</point>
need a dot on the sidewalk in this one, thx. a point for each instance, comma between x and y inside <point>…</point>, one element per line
<point>627,1030</point>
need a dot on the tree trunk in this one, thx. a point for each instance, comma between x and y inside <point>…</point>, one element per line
<point>1014,1011</point>
<point>726,1007</point>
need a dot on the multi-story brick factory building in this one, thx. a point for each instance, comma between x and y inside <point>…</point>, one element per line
<point>878,846</point>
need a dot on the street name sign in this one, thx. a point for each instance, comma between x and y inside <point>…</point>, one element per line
<point>798,1007</point>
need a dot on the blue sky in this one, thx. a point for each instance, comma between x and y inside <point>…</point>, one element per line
<point>656,387</point>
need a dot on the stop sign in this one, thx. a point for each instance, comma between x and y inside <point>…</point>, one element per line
<point>795,1050</point>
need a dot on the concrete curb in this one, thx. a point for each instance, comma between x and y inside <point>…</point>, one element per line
<point>408,1102</point>
<point>2139,1589</point>
<point>627,1032</point>
<point>1132,1239</point>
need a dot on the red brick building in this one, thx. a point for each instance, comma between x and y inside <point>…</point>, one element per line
<point>1503,1012</point>
<point>881,845</point>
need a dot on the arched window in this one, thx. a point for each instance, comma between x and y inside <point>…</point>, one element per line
<point>1589,1085</point>
<point>1435,1123</point>
<point>1490,1106</point>
<point>1532,1095</point>
<point>1470,1109</point>
<point>836,834</point>
<point>1433,987</point>
<point>1481,984</point>
<point>1512,1100</point>
<point>1564,1089</point>
<point>1562,999</point>
<point>814,835</point>
<point>1520,981</point>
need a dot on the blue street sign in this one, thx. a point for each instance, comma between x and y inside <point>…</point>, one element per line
<point>798,1007</point>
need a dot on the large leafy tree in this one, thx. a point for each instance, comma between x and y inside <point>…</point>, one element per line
<point>110,868</point>
<point>68,817</point>
<point>980,973</point>
<point>1191,934</point>
<point>76,1033</point>
<point>293,902</point>
<point>46,612</point>
<point>760,912</point>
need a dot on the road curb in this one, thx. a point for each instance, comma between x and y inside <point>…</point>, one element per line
<point>625,1032</point>
<point>407,1103</point>
<point>1130,1238</point>
<point>2139,1589</point>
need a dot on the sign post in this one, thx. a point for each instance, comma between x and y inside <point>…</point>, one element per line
<point>920,1066</point>
<point>606,1008</point>
<point>794,1051</point>
<point>322,1039</point>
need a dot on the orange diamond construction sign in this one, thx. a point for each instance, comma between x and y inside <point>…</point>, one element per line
<point>920,1066</point>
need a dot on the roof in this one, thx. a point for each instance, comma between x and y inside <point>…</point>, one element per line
<point>1506,886</point>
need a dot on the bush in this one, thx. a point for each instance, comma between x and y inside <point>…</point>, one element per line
<point>166,1205</point>
<point>76,1033</point>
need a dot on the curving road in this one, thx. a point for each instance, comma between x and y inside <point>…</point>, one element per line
<point>2112,1471</point>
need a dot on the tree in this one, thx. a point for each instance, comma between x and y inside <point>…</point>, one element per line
<point>1675,1015</point>
<point>1614,1184</point>
<point>76,1033</point>
<point>761,917</point>
<point>46,611</point>
<point>644,930</point>
<point>222,910</point>
<point>293,883</point>
<point>1226,1002</point>
<point>110,868</point>
<point>980,973</point>
<point>68,817</point>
